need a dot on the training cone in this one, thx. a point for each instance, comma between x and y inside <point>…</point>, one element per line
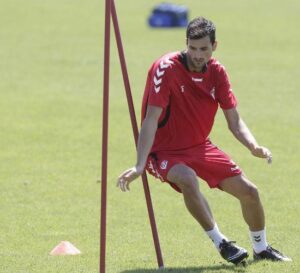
<point>65,248</point>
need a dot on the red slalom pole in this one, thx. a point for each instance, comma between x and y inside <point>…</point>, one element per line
<point>105,137</point>
<point>124,71</point>
<point>135,133</point>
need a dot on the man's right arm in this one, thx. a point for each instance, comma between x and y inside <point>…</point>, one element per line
<point>145,142</point>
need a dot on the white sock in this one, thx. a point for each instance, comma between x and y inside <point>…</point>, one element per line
<point>259,240</point>
<point>216,236</point>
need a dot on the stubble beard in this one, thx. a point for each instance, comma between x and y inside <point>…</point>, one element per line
<point>197,67</point>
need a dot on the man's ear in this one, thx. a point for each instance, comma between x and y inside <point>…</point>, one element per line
<point>214,46</point>
<point>186,41</point>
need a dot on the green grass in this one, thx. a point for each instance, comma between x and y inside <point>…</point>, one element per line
<point>50,135</point>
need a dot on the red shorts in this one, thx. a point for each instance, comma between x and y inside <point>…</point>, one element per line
<point>210,163</point>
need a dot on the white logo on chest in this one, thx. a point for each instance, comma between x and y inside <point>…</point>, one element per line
<point>182,88</point>
<point>197,79</point>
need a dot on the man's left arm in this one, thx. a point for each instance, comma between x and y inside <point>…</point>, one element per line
<point>240,130</point>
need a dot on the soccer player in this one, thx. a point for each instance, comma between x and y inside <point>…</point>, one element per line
<point>182,95</point>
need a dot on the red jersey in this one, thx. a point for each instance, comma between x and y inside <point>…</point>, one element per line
<point>189,100</point>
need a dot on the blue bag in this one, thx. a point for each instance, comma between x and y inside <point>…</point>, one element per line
<point>168,15</point>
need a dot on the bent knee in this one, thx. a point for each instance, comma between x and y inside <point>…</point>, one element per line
<point>250,193</point>
<point>184,177</point>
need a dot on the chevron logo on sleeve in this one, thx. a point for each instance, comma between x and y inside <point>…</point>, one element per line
<point>159,73</point>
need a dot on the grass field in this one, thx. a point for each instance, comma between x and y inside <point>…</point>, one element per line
<point>50,135</point>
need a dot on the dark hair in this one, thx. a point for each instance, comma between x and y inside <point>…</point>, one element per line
<point>199,28</point>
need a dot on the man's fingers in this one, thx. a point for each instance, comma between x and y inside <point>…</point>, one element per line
<point>126,178</point>
<point>123,177</point>
<point>119,182</point>
<point>263,152</point>
<point>122,186</point>
<point>124,173</point>
<point>127,186</point>
<point>268,155</point>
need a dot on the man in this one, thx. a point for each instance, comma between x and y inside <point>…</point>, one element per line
<point>182,95</point>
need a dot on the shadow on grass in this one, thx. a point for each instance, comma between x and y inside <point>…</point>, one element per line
<point>212,268</point>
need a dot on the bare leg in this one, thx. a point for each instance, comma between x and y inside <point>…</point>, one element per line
<point>247,193</point>
<point>186,179</point>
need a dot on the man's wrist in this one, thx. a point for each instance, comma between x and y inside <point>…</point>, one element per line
<point>139,168</point>
<point>252,147</point>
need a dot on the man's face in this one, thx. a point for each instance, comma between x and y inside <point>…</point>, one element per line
<point>199,52</point>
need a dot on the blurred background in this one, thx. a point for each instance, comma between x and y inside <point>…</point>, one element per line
<point>51,73</point>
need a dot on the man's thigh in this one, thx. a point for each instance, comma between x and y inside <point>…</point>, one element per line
<point>160,164</point>
<point>206,160</point>
<point>238,186</point>
<point>213,165</point>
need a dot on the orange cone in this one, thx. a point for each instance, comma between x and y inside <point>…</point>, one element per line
<point>65,248</point>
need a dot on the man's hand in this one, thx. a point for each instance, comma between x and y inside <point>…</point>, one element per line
<point>262,152</point>
<point>127,177</point>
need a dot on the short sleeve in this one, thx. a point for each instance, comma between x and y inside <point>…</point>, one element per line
<point>224,93</point>
<point>158,86</point>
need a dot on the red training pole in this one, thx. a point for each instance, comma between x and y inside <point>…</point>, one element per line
<point>124,71</point>
<point>135,133</point>
<point>105,137</point>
